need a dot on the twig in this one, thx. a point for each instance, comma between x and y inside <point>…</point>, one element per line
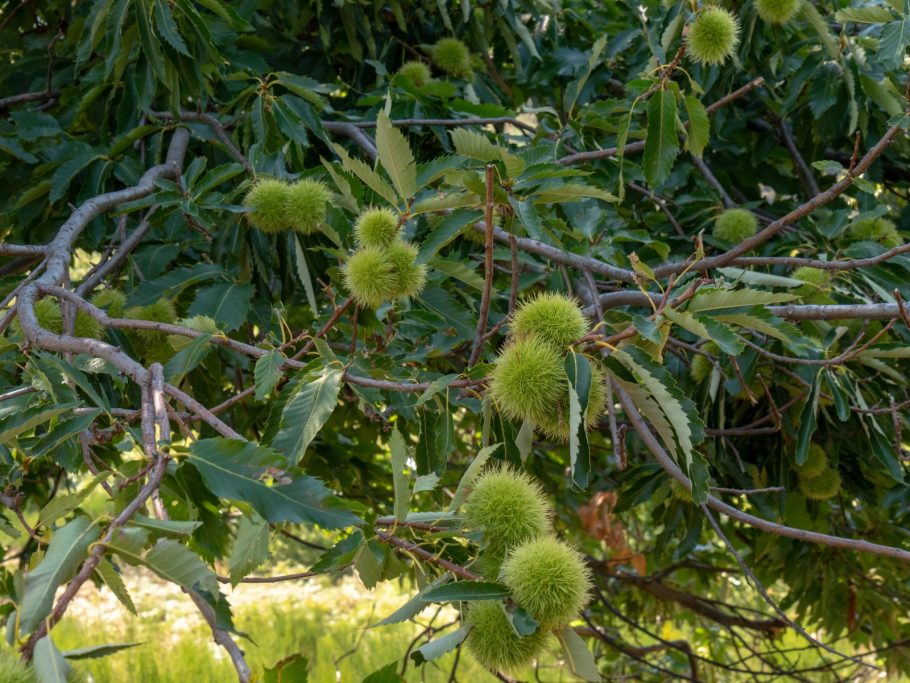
<point>415,549</point>
<point>487,269</point>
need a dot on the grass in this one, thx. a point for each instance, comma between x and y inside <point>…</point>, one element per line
<point>324,621</point>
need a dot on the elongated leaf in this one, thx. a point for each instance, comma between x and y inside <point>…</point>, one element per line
<point>306,411</point>
<point>27,420</point>
<point>226,303</point>
<point>474,145</point>
<point>415,605</point>
<point>864,15</point>
<point>808,420</point>
<point>699,130</point>
<point>437,648</point>
<point>579,376</point>
<point>98,651</point>
<point>65,553</point>
<point>466,590</point>
<point>706,328</point>
<point>573,90</point>
<point>63,505</point>
<point>303,273</point>
<point>238,470</point>
<point>267,373</point>
<point>50,665</point>
<point>464,485</point>
<point>367,175</point>
<point>112,579</point>
<point>579,657</point>
<point>715,299</point>
<point>188,358</point>
<point>571,192</point>
<point>399,475</point>
<point>251,548</point>
<point>395,156</point>
<point>662,143</point>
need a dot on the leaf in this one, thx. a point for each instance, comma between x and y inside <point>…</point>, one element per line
<point>864,15</point>
<point>580,659</point>
<point>226,303</point>
<point>65,552</point>
<point>808,419</point>
<point>579,376</point>
<point>63,505</point>
<point>307,410</point>
<point>445,231</point>
<point>395,157</point>
<point>571,192</point>
<point>112,579</point>
<point>437,648</point>
<point>292,669</point>
<point>699,131</point>
<point>459,271</point>
<point>415,605</point>
<point>169,527</point>
<point>387,674</point>
<point>399,476</point>
<point>303,273</point>
<point>98,651</point>
<point>267,373</point>
<point>893,43</point>
<point>573,90</point>
<point>662,143</point>
<point>167,27</point>
<point>751,277</point>
<point>459,591</point>
<point>715,298</point>
<point>173,562</point>
<point>706,328</point>
<point>22,422</point>
<point>474,145</point>
<point>367,175</point>
<point>251,547</point>
<point>188,358</point>
<point>464,485</point>
<point>237,470</point>
<point>437,440</point>
<point>49,663</point>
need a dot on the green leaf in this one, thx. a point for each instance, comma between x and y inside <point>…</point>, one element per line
<point>306,411</point>
<point>292,669</point>
<point>267,373</point>
<point>173,562</point>
<point>63,505</point>
<point>303,273</point>
<point>808,419</point>
<point>864,15</point>
<point>65,552</point>
<point>699,131</point>
<point>571,192</point>
<point>436,442</point>
<point>98,651</point>
<point>169,527</point>
<point>662,143</point>
<point>49,664</point>
<point>712,299</point>
<point>188,358</point>
<point>227,303</point>
<point>459,271</point>
<point>579,658</point>
<point>894,41</point>
<point>367,175</point>
<point>167,27</point>
<point>238,470</point>
<point>474,145</point>
<point>21,422</point>
<point>395,157</point>
<point>706,328</point>
<point>573,90</point>
<point>112,579</point>
<point>437,648</point>
<point>466,590</point>
<point>251,547</point>
<point>464,485</point>
<point>399,475</point>
<point>415,605</point>
<point>387,674</point>
<point>579,376</point>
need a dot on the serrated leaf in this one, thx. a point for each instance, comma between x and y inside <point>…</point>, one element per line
<point>167,27</point>
<point>662,143</point>
<point>396,157</point>
<point>458,270</point>
<point>708,329</point>
<point>864,15</point>
<point>65,552</point>
<point>464,485</point>
<point>415,605</point>
<point>579,376</point>
<point>474,145</point>
<point>400,485</point>
<point>251,547</point>
<point>716,299</point>
<point>578,656</point>
<point>437,648</point>
<point>49,664</point>
<point>699,130</point>
<point>367,175</point>
<point>571,192</point>
<point>306,411</point>
<point>303,273</point>
<point>238,470</point>
<point>466,590</point>
<point>64,504</point>
<point>97,651</point>
<point>267,373</point>
<point>188,358</point>
<point>112,579</point>
<point>894,41</point>
<point>227,303</point>
<point>808,419</point>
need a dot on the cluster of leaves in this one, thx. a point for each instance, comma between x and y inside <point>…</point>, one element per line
<point>342,439</point>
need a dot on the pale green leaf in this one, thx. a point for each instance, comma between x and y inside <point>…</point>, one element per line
<point>396,157</point>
